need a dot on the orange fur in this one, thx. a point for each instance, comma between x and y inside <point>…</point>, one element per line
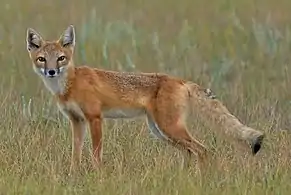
<point>88,95</point>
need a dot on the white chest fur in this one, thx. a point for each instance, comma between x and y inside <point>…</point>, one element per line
<point>72,109</point>
<point>56,84</point>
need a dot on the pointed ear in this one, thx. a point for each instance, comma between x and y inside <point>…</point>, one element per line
<point>68,38</point>
<point>33,40</point>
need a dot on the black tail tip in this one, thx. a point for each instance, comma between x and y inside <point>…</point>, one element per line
<point>257,144</point>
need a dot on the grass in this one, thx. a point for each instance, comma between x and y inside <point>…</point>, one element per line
<point>240,49</point>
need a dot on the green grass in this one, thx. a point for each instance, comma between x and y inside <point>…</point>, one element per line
<point>240,49</point>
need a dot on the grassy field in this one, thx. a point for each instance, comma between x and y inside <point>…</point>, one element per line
<point>240,49</point>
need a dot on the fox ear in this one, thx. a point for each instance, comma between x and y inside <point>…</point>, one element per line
<point>33,40</point>
<point>68,38</point>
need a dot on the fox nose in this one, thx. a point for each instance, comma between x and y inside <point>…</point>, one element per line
<point>52,72</point>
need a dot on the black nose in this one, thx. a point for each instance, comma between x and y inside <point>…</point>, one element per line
<point>51,72</point>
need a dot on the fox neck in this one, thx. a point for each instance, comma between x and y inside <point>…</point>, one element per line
<point>60,85</point>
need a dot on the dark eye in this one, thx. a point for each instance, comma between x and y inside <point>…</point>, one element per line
<point>62,58</point>
<point>41,59</point>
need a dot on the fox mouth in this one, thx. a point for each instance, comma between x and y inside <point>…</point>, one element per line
<point>51,73</point>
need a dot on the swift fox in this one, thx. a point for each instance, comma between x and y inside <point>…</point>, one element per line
<point>88,95</point>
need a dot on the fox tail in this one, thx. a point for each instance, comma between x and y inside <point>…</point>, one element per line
<point>211,109</point>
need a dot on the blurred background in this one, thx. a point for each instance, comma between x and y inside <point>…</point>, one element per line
<point>239,49</point>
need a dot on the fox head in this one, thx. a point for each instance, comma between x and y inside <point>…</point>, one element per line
<point>51,58</point>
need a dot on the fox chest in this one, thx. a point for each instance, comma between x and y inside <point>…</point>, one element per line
<point>72,110</point>
<point>55,85</point>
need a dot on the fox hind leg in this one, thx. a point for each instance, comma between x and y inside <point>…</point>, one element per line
<point>177,135</point>
<point>154,129</point>
<point>158,133</point>
<point>169,112</point>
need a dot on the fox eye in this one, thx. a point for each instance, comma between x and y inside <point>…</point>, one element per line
<point>61,58</point>
<point>41,59</point>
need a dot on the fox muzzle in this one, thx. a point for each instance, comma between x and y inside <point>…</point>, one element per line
<point>51,72</point>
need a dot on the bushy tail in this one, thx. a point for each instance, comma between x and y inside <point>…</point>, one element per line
<point>206,104</point>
